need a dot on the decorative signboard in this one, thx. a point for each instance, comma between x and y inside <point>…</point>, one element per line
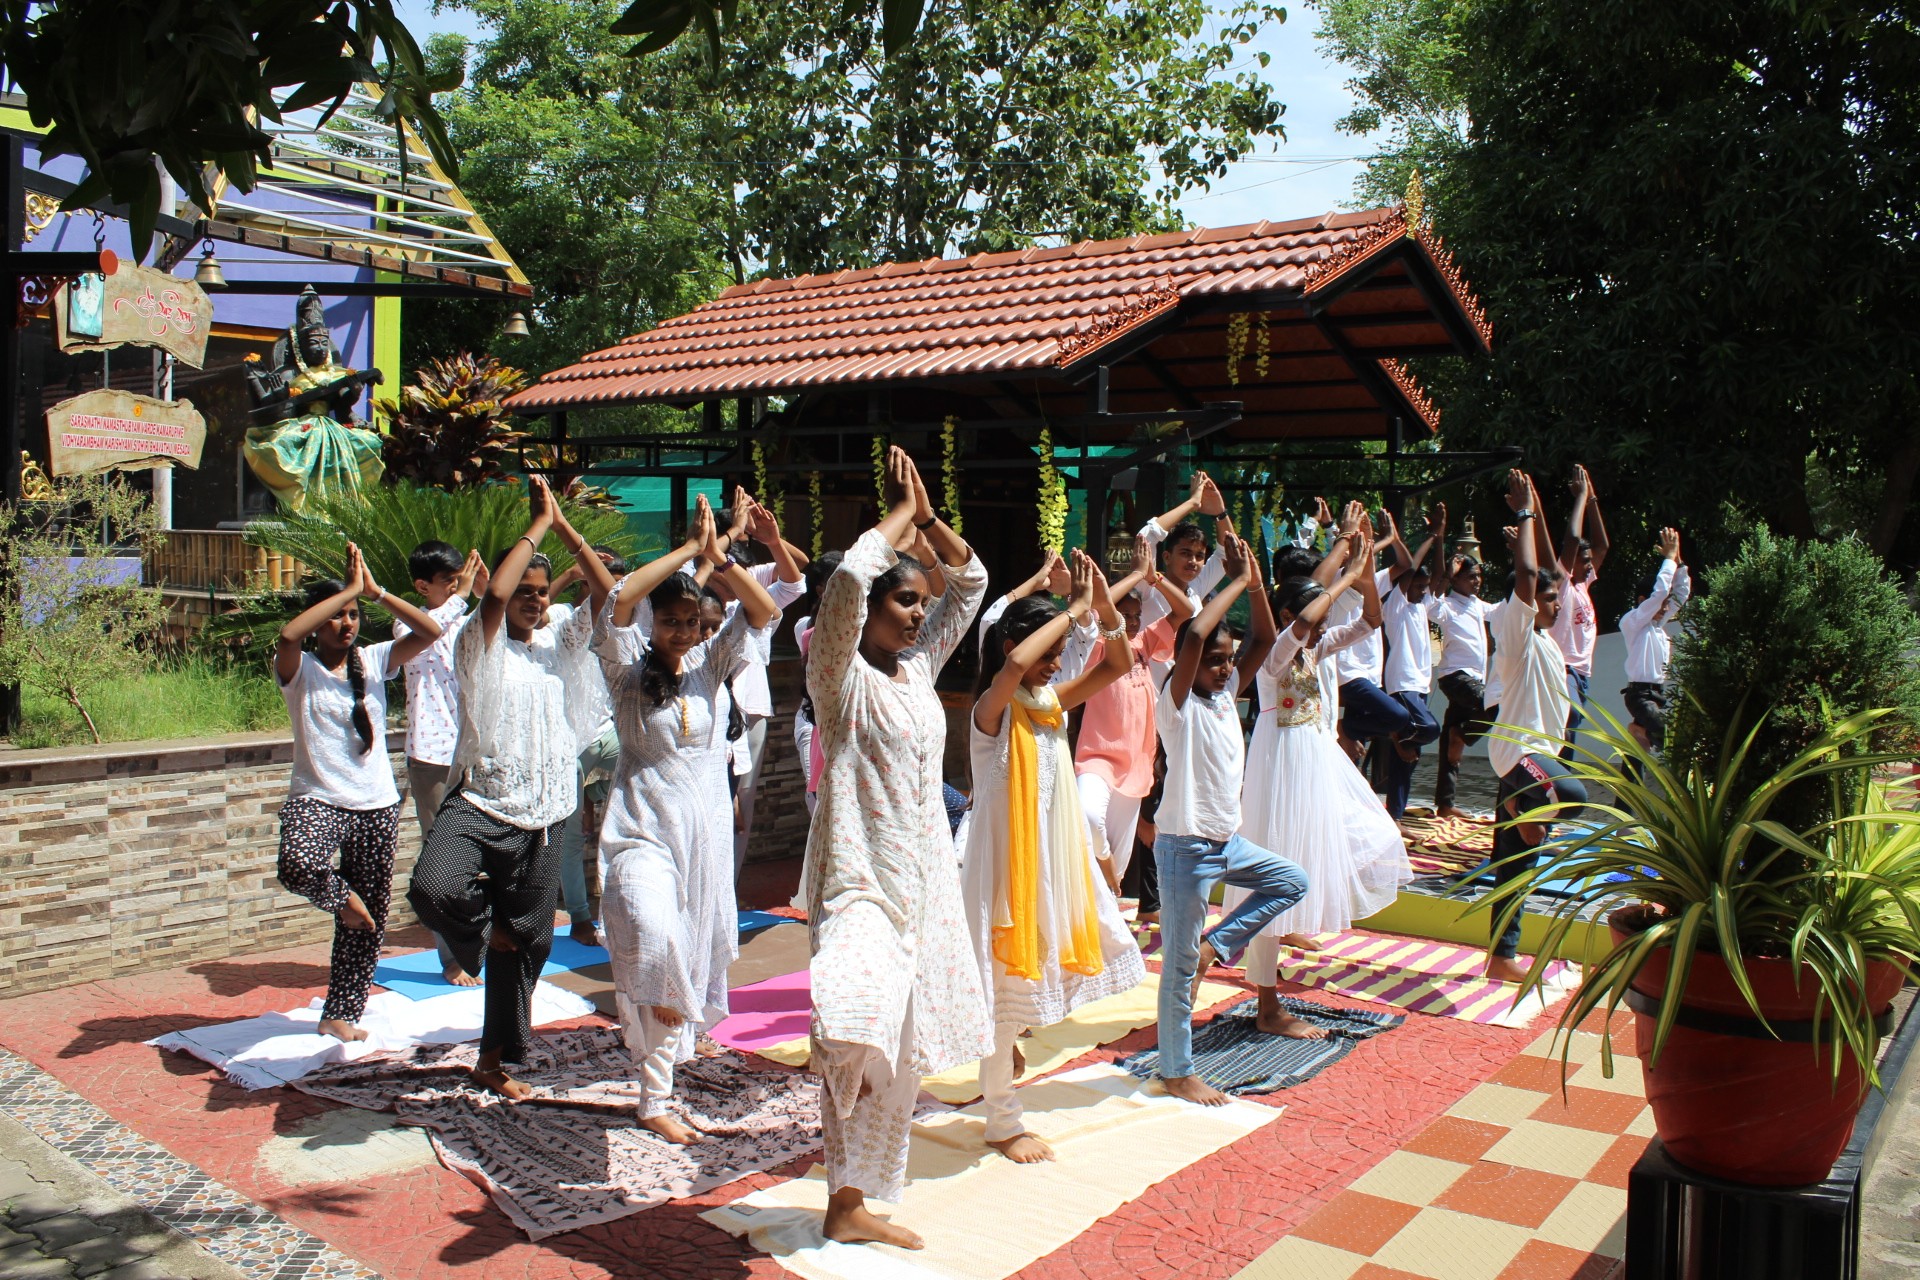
<point>107,430</point>
<point>134,305</point>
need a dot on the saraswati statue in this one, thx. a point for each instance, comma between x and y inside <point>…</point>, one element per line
<point>306,446</point>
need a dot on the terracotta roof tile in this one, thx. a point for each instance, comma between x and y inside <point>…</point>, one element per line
<point>988,313</point>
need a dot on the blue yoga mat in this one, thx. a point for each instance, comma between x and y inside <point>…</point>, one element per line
<point>417,975</point>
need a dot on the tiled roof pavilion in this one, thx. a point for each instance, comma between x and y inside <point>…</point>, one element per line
<point>1336,301</point>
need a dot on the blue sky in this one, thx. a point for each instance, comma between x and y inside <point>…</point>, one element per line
<point>1311,172</point>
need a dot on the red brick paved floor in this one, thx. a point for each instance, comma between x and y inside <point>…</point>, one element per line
<point>1205,1222</point>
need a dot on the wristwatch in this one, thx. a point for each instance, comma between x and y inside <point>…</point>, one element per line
<point>1524,513</point>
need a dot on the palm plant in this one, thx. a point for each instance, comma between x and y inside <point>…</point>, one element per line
<point>387,522</point>
<point>1701,849</point>
<point>448,428</point>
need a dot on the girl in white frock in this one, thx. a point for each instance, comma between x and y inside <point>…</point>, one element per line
<point>1302,797</point>
<point>1049,936</point>
<point>667,840</point>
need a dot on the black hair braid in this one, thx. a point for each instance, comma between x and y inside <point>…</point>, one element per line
<point>357,682</point>
<point>660,683</point>
<point>736,718</point>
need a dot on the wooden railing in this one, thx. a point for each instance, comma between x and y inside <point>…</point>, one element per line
<point>219,560</point>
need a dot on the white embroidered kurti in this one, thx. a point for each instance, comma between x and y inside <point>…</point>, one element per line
<point>667,839</point>
<point>1040,1002</point>
<point>525,712</point>
<point>883,888</point>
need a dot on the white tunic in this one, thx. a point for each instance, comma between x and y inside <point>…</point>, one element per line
<point>883,885</point>
<point>667,840</point>
<point>1040,1002</point>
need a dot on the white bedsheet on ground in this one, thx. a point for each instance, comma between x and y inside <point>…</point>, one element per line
<point>279,1048</point>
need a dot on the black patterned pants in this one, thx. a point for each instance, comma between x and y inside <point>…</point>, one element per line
<point>477,874</point>
<point>311,833</point>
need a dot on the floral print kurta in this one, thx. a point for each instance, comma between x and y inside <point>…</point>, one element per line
<point>883,897</point>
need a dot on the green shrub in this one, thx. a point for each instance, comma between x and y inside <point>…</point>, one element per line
<point>191,697</point>
<point>1807,634</point>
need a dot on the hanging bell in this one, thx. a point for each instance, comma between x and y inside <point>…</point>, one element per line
<point>516,326</point>
<point>208,274</point>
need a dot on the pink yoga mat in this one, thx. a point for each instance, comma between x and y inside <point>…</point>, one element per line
<point>766,1013</point>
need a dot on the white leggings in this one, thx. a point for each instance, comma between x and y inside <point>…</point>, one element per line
<point>867,1137</point>
<point>1111,819</point>
<point>1261,961</point>
<point>1002,1101</point>
<point>655,1047</point>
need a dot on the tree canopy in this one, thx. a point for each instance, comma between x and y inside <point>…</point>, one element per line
<point>1696,230</point>
<point>631,189</point>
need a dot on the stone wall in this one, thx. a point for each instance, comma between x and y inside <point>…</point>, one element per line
<point>133,857</point>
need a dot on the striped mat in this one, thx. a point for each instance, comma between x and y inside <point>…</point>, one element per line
<point>1422,976</point>
<point>1446,846</point>
<point>1233,1055</point>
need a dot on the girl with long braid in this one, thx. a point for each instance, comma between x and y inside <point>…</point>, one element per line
<point>667,840</point>
<point>341,798</point>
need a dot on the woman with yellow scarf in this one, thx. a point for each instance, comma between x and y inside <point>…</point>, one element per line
<point>1048,933</point>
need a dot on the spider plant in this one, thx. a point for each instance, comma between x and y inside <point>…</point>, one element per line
<point>1721,874</point>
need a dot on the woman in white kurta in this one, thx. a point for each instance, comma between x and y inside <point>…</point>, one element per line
<point>1302,797</point>
<point>667,839</point>
<point>896,989</point>
<point>1048,933</point>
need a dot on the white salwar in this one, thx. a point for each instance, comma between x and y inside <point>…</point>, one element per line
<point>1019,1003</point>
<point>667,843</point>
<point>896,989</point>
<point>1304,800</point>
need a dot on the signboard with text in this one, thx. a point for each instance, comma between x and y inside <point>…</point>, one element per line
<point>137,305</point>
<point>107,430</point>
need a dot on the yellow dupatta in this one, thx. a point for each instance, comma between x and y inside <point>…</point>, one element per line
<point>1018,927</point>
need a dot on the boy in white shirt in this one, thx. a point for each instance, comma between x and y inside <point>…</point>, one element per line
<point>1409,663</point>
<point>444,580</point>
<point>1197,844</point>
<point>1534,706</point>
<point>1462,616</point>
<point>1649,647</point>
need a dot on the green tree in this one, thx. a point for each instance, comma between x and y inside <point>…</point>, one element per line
<point>1696,230</point>
<point>74,622</point>
<point>631,189</point>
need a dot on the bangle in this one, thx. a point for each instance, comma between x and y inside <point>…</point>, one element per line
<point>1118,633</point>
<point>381,598</point>
<point>928,525</point>
<point>530,542</point>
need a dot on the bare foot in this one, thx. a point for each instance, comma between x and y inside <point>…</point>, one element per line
<point>459,977</point>
<point>1208,958</point>
<point>849,1221</point>
<point>496,1080</point>
<point>1506,969</point>
<point>1406,751</point>
<point>1285,1024</point>
<point>671,1129</point>
<point>1299,941</point>
<point>1194,1089</point>
<point>585,934</point>
<point>501,940</point>
<point>1452,812</point>
<point>340,1029</point>
<point>1147,917</point>
<point>1023,1148</point>
<point>355,915</point>
<point>666,1017</point>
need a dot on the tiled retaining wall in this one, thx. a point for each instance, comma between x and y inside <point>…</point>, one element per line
<point>139,856</point>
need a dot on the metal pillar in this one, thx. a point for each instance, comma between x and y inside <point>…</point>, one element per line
<point>13,209</point>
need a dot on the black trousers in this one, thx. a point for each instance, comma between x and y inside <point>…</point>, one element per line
<point>477,874</point>
<point>1467,717</point>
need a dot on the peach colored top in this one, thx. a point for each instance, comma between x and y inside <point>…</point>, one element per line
<point>1116,728</point>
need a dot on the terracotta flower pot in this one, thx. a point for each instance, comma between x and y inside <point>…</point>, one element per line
<point>1746,1107</point>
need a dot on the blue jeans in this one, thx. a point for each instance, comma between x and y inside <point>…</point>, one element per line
<point>1370,712</point>
<point>1190,866</point>
<point>1536,780</point>
<point>1423,728</point>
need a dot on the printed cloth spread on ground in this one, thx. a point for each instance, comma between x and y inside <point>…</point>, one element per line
<point>1233,1055</point>
<point>574,1155</point>
<point>1422,976</point>
<point>1439,846</point>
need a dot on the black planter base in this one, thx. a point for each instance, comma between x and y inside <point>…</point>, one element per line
<point>1683,1225</point>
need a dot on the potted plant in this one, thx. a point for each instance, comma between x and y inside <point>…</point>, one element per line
<point>1765,881</point>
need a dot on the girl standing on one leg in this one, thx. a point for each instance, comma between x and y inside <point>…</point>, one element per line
<point>489,874</point>
<point>341,798</point>
<point>667,840</point>
<point>1304,799</point>
<point>1199,844</point>
<point>896,985</point>
<point>1049,935</point>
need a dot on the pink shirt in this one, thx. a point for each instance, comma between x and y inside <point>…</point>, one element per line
<point>1577,628</point>
<point>1116,729</point>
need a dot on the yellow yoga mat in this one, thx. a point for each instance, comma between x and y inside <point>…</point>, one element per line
<point>1114,1137</point>
<point>1048,1048</point>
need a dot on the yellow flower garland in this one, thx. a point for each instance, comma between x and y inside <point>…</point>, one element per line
<point>950,472</point>
<point>1053,498</point>
<point>880,474</point>
<point>818,512</point>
